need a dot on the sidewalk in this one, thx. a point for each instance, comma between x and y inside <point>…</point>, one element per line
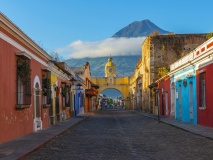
<point>193,128</point>
<point>20,147</point>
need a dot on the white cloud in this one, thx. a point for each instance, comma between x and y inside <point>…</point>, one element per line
<point>107,47</point>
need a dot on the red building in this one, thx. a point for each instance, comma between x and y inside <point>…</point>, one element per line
<point>204,95</point>
<point>22,64</point>
<point>163,96</point>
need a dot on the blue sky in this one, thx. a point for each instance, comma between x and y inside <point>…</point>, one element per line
<point>70,26</point>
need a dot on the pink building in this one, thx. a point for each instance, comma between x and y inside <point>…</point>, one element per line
<point>22,63</point>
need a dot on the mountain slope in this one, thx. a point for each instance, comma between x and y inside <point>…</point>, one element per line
<point>139,29</point>
<point>124,64</point>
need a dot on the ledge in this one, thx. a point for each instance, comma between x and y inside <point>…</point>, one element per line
<point>46,105</point>
<point>64,107</point>
<point>22,106</point>
<point>202,108</point>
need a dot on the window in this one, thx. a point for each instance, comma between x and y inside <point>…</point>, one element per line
<point>46,88</point>
<point>81,99</point>
<point>202,88</point>
<point>66,95</point>
<point>23,81</point>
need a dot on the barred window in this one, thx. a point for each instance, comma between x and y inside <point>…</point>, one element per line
<point>81,99</point>
<point>66,94</point>
<point>46,87</point>
<point>23,81</point>
<point>202,87</point>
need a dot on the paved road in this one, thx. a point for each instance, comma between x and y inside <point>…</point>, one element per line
<point>125,135</point>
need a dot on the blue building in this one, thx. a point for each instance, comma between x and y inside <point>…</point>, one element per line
<point>183,90</point>
<point>79,99</point>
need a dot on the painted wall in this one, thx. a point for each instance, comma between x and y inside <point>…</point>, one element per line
<point>205,116</point>
<point>53,85</point>
<point>36,71</point>
<point>79,101</point>
<point>11,119</point>
<point>183,81</point>
<point>164,91</point>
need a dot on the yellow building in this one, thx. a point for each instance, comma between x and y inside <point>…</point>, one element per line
<point>136,87</point>
<point>110,81</point>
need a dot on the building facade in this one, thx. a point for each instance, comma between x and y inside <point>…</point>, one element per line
<point>22,63</point>
<point>161,51</point>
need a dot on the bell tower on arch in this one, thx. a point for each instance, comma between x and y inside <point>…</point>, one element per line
<point>110,68</point>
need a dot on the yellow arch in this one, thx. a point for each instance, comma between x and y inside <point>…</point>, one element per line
<point>121,84</point>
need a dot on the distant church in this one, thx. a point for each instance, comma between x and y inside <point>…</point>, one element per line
<point>110,68</point>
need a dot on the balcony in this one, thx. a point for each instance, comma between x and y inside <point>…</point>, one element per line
<point>91,92</point>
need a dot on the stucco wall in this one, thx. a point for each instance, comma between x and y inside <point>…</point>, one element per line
<point>205,116</point>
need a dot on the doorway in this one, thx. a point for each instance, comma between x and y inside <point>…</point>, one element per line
<point>37,108</point>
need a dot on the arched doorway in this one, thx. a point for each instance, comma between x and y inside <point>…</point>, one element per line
<point>111,98</point>
<point>37,124</point>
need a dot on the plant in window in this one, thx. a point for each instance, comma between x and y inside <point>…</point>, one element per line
<point>64,91</point>
<point>23,70</point>
<point>46,86</point>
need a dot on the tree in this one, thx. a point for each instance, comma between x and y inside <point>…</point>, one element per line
<point>162,71</point>
<point>209,35</point>
<point>110,101</point>
<point>55,56</point>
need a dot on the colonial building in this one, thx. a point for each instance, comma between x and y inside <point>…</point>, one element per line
<point>37,92</point>
<point>191,77</point>
<point>161,51</point>
<point>136,87</point>
<point>23,65</point>
<point>110,81</point>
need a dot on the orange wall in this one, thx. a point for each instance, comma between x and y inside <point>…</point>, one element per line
<point>13,123</point>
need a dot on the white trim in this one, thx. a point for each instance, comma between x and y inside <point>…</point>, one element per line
<point>204,63</point>
<point>177,77</point>
<point>201,71</point>
<point>202,108</point>
<point>21,48</point>
<point>58,73</point>
<point>36,80</point>
<point>8,23</point>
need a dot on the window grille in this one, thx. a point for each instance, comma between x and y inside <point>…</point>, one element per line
<point>23,82</point>
<point>202,95</point>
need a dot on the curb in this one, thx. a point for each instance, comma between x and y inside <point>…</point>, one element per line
<point>184,129</point>
<point>44,143</point>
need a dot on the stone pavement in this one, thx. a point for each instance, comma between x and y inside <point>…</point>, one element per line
<point>20,147</point>
<point>193,128</point>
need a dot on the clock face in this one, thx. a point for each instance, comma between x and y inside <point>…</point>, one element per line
<point>110,70</point>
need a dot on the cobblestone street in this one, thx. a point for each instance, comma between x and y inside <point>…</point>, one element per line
<point>125,135</point>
